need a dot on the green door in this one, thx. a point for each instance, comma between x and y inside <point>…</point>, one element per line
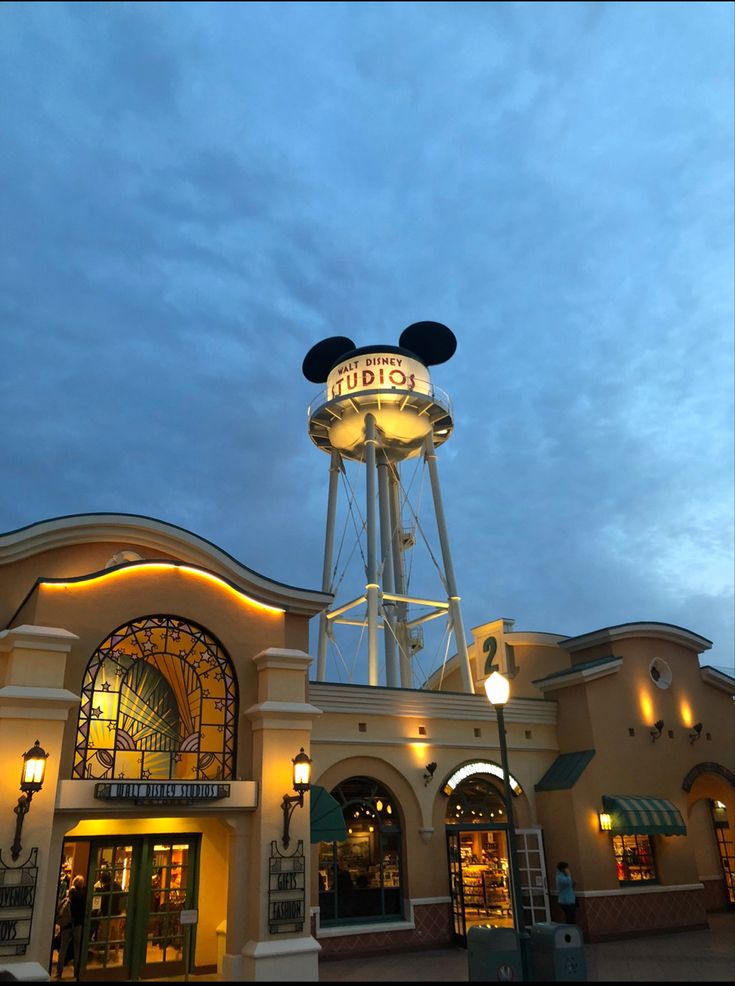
<point>137,889</point>
<point>169,873</point>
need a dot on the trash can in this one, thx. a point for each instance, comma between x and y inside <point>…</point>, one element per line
<point>557,953</point>
<point>493,954</point>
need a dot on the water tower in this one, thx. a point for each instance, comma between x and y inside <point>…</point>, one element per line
<point>380,408</point>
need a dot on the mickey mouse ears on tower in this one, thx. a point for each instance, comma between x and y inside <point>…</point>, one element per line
<point>429,342</point>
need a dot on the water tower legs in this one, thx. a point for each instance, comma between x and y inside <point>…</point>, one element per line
<point>372,588</point>
<point>454,608</point>
<point>392,678</point>
<point>399,576</point>
<point>389,578</point>
<point>335,466</point>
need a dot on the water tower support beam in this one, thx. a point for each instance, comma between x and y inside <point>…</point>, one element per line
<point>392,679</point>
<point>454,608</point>
<point>399,575</point>
<point>372,588</point>
<point>334,470</point>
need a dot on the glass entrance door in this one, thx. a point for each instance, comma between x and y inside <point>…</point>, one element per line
<point>459,927</point>
<point>137,889</point>
<point>109,879</point>
<point>170,875</point>
<point>532,869</point>
<point>480,878</point>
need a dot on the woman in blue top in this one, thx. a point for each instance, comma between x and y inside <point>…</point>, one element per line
<point>565,887</point>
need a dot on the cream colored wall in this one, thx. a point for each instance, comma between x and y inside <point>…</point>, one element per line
<point>599,715</point>
<point>212,898</point>
<point>94,609</point>
<point>561,823</point>
<point>392,752</point>
<point>18,578</point>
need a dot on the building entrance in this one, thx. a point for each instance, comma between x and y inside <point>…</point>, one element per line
<point>479,859</point>
<point>136,888</point>
<point>479,879</point>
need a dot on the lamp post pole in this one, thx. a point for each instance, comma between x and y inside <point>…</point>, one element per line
<point>498,689</point>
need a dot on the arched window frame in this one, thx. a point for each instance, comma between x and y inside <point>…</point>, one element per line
<point>477,807</point>
<point>203,659</point>
<point>376,800</point>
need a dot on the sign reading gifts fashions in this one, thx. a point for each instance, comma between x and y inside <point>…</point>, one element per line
<point>378,371</point>
<point>286,891</point>
<point>17,899</point>
<point>161,792</point>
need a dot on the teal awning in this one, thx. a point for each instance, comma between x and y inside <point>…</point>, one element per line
<point>565,771</point>
<point>638,815</point>
<point>327,821</point>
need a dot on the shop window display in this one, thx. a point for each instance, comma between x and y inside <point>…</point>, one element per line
<point>634,859</point>
<point>482,876</point>
<point>360,878</point>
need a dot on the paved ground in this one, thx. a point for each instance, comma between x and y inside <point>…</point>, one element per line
<point>690,956</point>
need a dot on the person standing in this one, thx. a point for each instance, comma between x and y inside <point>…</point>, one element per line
<point>63,923</point>
<point>70,918</point>
<point>565,888</point>
<point>77,902</point>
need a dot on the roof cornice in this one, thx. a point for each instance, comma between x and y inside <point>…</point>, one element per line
<point>662,631</point>
<point>579,675</point>
<point>717,678</point>
<point>156,536</point>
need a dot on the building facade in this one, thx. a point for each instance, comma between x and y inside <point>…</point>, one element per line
<point>168,685</point>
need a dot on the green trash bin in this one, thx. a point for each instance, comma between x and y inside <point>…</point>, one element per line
<point>493,954</point>
<point>557,953</point>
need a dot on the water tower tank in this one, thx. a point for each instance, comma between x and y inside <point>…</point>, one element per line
<point>392,383</point>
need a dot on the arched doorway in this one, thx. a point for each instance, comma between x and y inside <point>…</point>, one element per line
<point>711,790</point>
<point>360,878</point>
<point>480,868</point>
<point>159,703</point>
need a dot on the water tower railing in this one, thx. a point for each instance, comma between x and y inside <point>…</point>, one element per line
<point>424,390</point>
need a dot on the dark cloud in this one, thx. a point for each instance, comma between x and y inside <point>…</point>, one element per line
<point>196,193</point>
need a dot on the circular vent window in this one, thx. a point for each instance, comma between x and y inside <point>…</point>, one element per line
<point>660,673</point>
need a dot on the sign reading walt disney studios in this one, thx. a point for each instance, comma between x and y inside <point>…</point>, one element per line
<point>378,371</point>
<point>161,792</point>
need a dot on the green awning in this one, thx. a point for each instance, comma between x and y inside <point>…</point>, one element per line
<point>327,821</point>
<point>638,815</point>
<point>565,771</point>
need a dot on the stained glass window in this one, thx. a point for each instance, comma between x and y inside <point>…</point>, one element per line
<point>159,701</point>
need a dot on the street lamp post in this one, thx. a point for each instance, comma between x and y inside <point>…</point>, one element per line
<point>497,689</point>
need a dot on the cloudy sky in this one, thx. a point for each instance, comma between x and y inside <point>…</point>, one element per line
<point>194,194</point>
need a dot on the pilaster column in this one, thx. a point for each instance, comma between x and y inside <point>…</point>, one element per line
<point>34,705</point>
<point>281,723</point>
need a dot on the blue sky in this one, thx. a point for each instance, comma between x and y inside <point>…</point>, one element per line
<point>195,194</point>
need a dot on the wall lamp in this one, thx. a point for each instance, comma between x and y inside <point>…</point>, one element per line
<point>301,783</point>
<point>31,780</point>
<point>430,768</point>
<point>695,733</point>
<point>605,819</point>
<point>658,728</point>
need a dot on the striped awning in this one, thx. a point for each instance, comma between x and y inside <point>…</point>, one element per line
<point>638,815</point>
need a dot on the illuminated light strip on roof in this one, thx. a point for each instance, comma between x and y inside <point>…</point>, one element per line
<point>480,767</point>
<point>159,566</point>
